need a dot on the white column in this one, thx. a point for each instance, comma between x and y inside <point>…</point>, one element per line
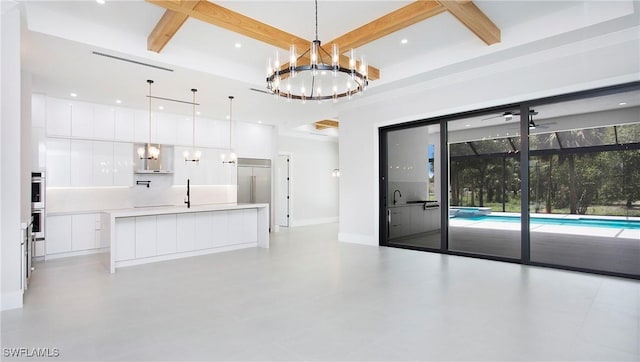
<point>10,174</point>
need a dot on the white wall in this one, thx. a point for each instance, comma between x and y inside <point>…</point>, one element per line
<point>10,171</point>
<point>314,192</point>
<point>599,62</point>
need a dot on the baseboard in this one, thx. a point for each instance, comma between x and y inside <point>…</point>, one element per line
<point>357,239</point>
<point>12,300</point>
<point>76,253</point>
<point>305,222</point>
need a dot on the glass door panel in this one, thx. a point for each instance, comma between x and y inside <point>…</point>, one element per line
<point>584,178</point>
<point>484,184</point>
<point>413,187</point>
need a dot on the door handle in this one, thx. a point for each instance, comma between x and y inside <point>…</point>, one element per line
<point>253,190</point>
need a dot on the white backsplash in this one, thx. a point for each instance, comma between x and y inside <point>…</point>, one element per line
<point>160,192</point>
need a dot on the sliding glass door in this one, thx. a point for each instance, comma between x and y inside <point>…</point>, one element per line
<point>550,182</point>
<point>584,172</point>
<point>412,206</point>
<point>484,184</point>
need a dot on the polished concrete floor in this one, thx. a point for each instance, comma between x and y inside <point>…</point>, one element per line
<point>310,297</point>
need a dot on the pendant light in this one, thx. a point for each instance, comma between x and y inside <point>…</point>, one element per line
<point>196,154</point>
<point>149,152</point>
<point>231,158</point>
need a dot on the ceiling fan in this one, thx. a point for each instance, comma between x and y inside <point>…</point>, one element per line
<point>509,115</point>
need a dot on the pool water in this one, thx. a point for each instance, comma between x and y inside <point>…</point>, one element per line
<point>580,221</point>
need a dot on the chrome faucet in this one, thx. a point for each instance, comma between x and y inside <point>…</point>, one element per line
<point>187,200</point>
<point>394,196</point>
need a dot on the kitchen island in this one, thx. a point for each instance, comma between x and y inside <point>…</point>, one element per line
<point>152,234</point>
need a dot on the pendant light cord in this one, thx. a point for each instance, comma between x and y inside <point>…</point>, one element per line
<point>193,127</point>
<point>230,120</point>
<point>149,144</point>
<point>316,20</point>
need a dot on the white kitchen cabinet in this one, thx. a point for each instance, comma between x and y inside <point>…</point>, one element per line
<point>400,224</point>
<point>184,131</point>
<point>235,233</point>
<point>58,162</point>
<point>102,163</point>
<point>221,229</point>
<point>185,225</point>
<point>58,238</point>
<point>418,216</point>
<point>83,232</point>
<point>141,127</point>
<point>122,164</point>
<point>58,117</point>
<point>205,132</point>
<point>103,122</point>
<point>253,140</point>
<point>81,163</point>
<point>81,120</point>
<point>38,110</point>
<point>125,239</point>
<point>167,234</point>
<point>124,125</point>
<point>146,239</point>
<point>165,128</point>
<point>249,222</point>
<point>38,149</point>
<point>204,230</point>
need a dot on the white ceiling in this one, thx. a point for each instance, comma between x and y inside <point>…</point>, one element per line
<point>61,35</point>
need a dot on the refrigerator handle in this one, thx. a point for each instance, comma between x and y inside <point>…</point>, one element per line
<point>253,189</point>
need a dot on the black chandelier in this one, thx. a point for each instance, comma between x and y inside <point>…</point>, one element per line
<point>310,81</point>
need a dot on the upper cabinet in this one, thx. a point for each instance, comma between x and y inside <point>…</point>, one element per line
<point>103,122</point>
<point>81,120</point>
<point>58,117</point>
<point>253,140</point>
<point>124,124</point>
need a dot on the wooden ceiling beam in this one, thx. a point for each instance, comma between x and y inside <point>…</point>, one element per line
<point>241,24</point>
<point>327,123</point>
<point>473,18</point>
<point>390,23</point>
<point>167,27</point>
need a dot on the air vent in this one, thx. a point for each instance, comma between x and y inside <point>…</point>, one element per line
<point>132,61</point>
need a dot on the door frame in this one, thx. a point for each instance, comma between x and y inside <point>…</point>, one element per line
<point>279,191</point>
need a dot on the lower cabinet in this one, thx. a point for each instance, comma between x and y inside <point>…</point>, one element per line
<point>167,234</point>
<point>412,219</point>
<point>68,233</point>
<point>148,236</point>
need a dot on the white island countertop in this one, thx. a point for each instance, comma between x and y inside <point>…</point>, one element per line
<point>143,235</point>
<point>171,209</point>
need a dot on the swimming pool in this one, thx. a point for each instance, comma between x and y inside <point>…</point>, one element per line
<point>566,221</point>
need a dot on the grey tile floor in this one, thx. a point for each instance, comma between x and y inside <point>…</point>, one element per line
<point>310,297</point>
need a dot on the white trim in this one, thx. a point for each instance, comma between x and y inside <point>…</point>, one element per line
<point>305,222</point>
<point>357,239</point>
<point>187,254</point>
<point>12,300</point>
<point>76,253</point>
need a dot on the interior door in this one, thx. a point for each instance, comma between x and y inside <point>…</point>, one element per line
<point>245,176</point>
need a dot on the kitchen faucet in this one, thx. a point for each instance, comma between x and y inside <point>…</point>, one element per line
<point>187,200</point>
<point>394,196</point>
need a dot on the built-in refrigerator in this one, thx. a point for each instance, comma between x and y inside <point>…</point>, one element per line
<point>254,182</point>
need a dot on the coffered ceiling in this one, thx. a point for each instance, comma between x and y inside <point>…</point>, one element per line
<point>60,37</point>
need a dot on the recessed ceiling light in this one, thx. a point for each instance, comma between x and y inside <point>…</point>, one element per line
<point>73,94</point>
<point>118,101</point>
<point>260,122</point>
<point>101,2</point>
<point>404,41</point>
<point>622,103</point>
<point>238,45</point>
<point>160,107</point>
<point>227,117</point>
<point>467,125</point>
<point>198,113</point>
